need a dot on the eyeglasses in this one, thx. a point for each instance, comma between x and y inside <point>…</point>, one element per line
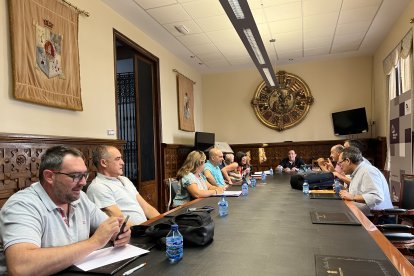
<point>76,177</point>
<point>340,162</point>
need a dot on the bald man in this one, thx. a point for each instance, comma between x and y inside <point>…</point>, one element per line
<point>212,169</point>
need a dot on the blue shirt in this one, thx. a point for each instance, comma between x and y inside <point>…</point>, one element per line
<point>369,182</point>
<point>216,172</point>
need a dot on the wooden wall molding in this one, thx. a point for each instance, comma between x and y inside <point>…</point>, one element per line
<point>20,158</point>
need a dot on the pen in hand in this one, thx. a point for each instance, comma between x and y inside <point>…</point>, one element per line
<point>132,270</point>
<point>121,230</point>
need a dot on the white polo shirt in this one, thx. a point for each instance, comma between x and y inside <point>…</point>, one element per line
<point>106,191</point>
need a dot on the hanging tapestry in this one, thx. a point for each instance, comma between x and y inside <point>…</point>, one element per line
<point>185,103</point>
<point>45,56</point>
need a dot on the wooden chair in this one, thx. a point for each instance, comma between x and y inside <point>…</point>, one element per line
<point>401,235</point>
<point>172,186</point>
<point>405,210</point>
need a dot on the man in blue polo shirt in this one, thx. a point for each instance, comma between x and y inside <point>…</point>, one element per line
<point>212,168</point>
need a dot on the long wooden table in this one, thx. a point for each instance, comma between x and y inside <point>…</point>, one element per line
<point>269,232</point>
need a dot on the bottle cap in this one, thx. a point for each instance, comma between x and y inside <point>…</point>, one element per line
<point>174,227</point>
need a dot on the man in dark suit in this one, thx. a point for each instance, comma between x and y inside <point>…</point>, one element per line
<point>292,163</point>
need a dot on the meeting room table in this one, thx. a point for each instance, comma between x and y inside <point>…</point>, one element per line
<point>270,232</point>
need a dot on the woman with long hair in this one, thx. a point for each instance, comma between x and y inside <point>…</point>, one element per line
<point>242,160</point>
<point>192,182</point>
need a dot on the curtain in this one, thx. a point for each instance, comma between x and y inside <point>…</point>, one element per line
<point>398,68</point>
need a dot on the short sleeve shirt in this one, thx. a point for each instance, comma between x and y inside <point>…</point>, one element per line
<point>30,216</point>
<point>216,172</point>
<point>183,196</point>
<point>107,191</point>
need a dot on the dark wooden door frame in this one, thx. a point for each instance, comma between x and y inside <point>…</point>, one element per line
<point>154,60</point>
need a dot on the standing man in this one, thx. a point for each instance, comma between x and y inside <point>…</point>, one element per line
<point>368,187</point>
<point>292,163</point>
<point>115,194</point>
<point>50,225</point>
<point>212,169</point>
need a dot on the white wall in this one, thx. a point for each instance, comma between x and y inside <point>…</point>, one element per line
<point>97,82</point>
<point>336,85</point>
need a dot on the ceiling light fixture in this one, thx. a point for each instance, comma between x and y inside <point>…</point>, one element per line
<point>268,76</point>
<point>249,35</point>
<point>182,29</point>
<point>240,15</point>
<point>235,6</point>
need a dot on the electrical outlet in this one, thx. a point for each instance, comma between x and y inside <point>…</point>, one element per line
<point>110,132</point>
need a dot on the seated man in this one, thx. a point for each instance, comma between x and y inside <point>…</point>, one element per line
<point>331,165</point>
<point>115,194</point>
<point>212,168</point>
<point>358,144</point>
<point>230,173</point>
<point>292,163</point>
<point>52,224</point>
<point>368,187</point>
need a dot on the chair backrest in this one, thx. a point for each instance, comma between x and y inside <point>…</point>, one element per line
<point>386,174</point>
<point>172,188</point>
<point>407,191</point>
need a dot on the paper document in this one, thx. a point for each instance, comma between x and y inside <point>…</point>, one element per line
<point>230,193</point>
<point>109,255</point>
<point>260,173</point>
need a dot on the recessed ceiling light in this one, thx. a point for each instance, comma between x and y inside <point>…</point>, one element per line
<point>182,29</point>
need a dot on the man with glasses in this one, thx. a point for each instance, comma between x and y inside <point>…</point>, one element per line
<point>368,187</point>
<point>115,194</point>
<point>50,225</point>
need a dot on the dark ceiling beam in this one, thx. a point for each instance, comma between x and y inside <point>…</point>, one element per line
<point>243,22</point>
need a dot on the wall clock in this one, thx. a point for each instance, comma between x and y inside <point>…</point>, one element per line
<point>283,107</point>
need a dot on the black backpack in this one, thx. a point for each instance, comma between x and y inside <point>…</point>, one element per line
<point>316,180</point>
<point>197,228</point>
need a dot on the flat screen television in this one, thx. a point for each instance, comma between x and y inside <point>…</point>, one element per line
<point>204,140</point>
<point>351,121</point>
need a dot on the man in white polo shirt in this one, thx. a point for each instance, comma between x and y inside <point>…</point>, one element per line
<point>115,194</point>
<point>47,227</point>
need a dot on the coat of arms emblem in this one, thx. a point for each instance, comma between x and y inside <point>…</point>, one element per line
<point>49,52</point>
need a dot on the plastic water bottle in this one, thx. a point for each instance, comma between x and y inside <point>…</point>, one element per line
<point>253,182</point>
<point>305,187</point>
<point>263,178</point>
<point>223,206</point>
<point>245,188</point>
<point>174,245</point>
<point>337,186</point>
<point>271,171</point>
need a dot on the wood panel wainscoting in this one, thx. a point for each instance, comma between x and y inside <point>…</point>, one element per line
<point>174,155</point>
<point>375,150</point>
<point>20,158</point>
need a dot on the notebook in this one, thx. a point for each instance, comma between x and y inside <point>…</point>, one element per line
<point>324,196</point>
<point>322,217</point>
<point>109,269</point>
<point>350,266</point>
